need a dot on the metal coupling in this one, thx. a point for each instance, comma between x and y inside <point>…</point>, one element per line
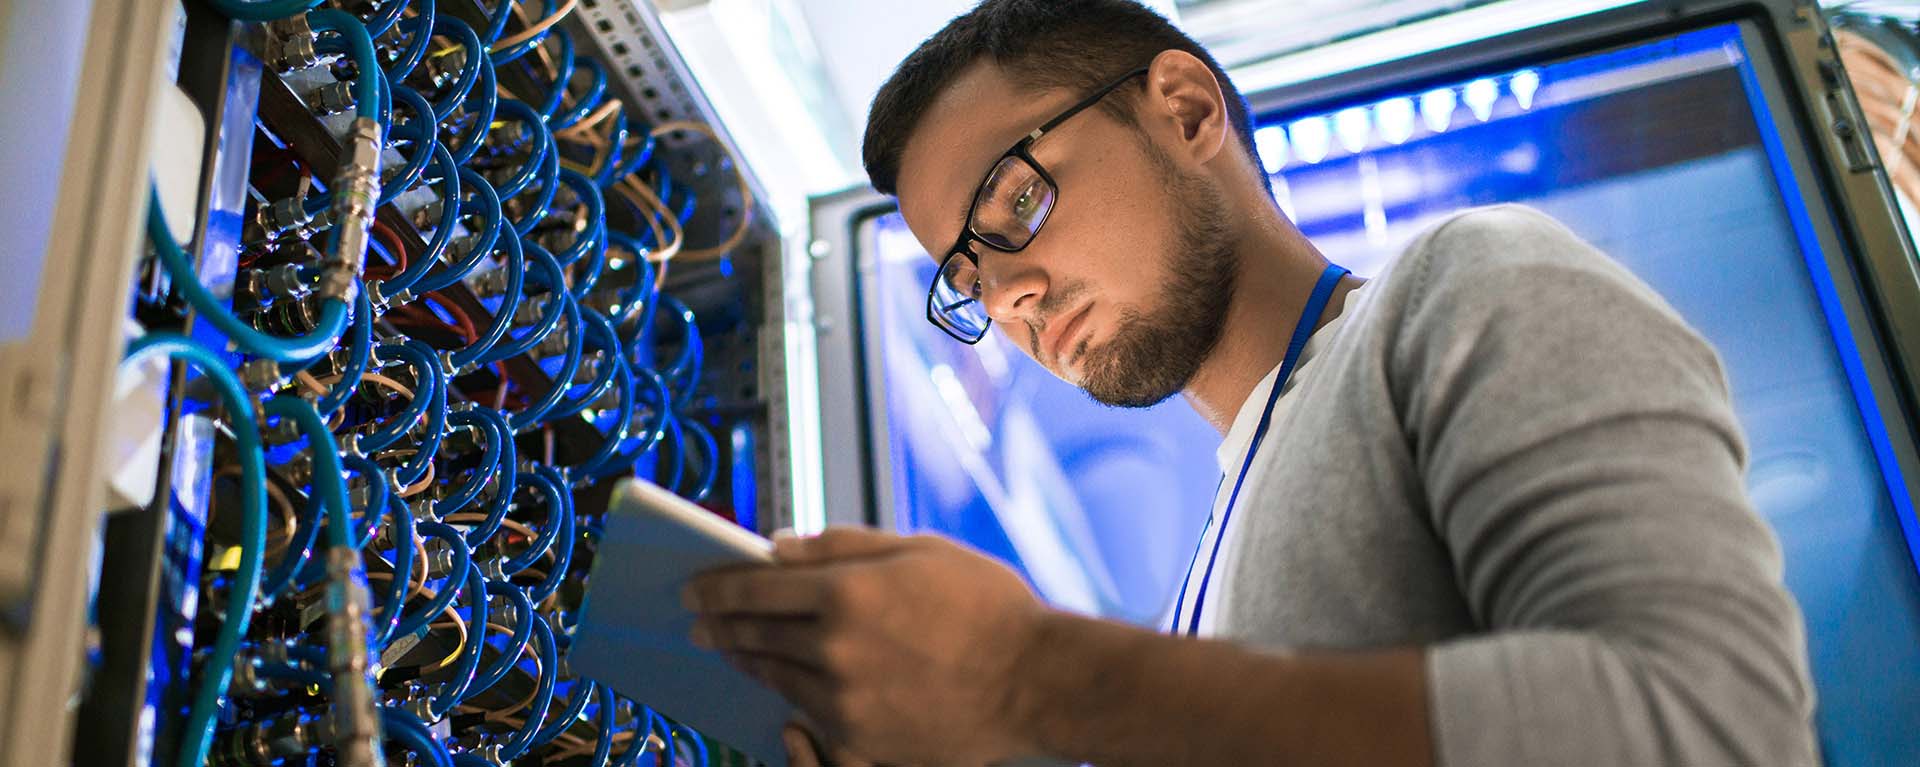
<point>284,281</point>
<point>265,743</point>
<point>356,192</point>
<point>331,99</point>
<point>289,45</point>
<point>355,716</point>
<point>260,375</point>
<point>284,215</point>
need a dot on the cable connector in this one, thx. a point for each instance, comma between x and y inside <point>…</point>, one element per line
<point>356,192</point>
<point>356,713</point>
<point>289,45</point>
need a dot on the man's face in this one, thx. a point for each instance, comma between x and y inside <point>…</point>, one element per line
<point>1124,290</point>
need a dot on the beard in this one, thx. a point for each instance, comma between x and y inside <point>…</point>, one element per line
<point>1152,357</point>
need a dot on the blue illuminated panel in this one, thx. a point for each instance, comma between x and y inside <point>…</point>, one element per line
<point>1665,156</point>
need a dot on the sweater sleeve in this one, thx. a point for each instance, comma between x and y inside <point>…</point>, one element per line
<point>1584,470</point>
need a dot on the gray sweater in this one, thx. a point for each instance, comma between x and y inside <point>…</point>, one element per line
<point>1514,453</point>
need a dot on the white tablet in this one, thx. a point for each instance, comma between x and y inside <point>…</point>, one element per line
<point>632,635</point>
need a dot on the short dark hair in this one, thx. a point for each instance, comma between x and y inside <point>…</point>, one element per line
<point>1071,44</point>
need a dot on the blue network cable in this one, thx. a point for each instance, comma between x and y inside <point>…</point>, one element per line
<point>543,692</point>
<point>403,726</point>
<point>555,496</point>
<point>516,642</point>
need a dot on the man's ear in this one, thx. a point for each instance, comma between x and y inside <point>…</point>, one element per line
<point>1185,106</point>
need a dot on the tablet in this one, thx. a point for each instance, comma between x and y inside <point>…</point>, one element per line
<point>632,635</point>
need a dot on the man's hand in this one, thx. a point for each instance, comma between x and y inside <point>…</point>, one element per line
<point>900,649</point>
<point>802,751</point>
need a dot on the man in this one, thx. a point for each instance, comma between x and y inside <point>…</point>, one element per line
<point>1485,510</point>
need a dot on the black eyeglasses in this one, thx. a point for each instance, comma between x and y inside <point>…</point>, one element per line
<point>1008,209</point>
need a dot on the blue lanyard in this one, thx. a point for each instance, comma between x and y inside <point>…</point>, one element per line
<point>1303,330</point>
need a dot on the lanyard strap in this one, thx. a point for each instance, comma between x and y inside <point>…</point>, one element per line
<point>1303,330</point>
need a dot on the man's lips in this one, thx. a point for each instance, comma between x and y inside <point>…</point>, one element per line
<point>1060,342</point>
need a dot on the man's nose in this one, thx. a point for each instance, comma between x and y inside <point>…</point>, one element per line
<point>1012,286</point>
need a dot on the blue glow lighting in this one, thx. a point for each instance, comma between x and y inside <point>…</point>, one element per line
<point>1354,127</point>
<point>1312,139</point>
<point>1397,119</point>
<point>1436,109</point>
<point>1272,143</point>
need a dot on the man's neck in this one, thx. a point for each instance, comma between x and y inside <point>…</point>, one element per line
<point>1278,269</point>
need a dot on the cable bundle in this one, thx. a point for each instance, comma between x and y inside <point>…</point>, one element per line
<point>421,340</point>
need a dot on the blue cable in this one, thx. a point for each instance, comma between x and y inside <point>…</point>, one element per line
<point>377,492</point>
<point>509,653</point>
<point>631,164</point>
<point>456,689</point>
<point>329,475</point>
<point>489,213</point>
<point>387,617</point>
<point>542,695</point>
<point>502,500</point>
<point>622,422</point>
<point>403,726</point>
<point>448,26</point>
<point>516,267</point>
<point>543,201</point>
<point>603,745</point>
<point>496,22</point>
<point>489,96</point>
<point>710,467</point>
<point>563,545</point>
<point>632,295</point>
<point>384,19</point>
<point>299,550</point>
<point>261,10</point>
<point>197,736</point>
<point>292,673</point>
<point>556,497</point>
<point>634,450</point>
<point>426,375</point>
<point>419,32</point>
<point>442,234</point>
<point>414,623</point>
<point>415,469</point>
<point>546,273</point>
<point>536,413</point>
<point>589,195</point>
<point>179,267</point>
<point>421,131</point>
<point>586,102</point>
<point>600,333</point>
<point>483,473</point>
<point>530,121</point>
<point>579,693</point>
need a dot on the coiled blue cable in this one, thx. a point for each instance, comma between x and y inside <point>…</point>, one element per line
<point>456,689</point>
<point>329,475</point>
<point>426,375</point>
<point>599,333</point>
<point>484,205</point>
<point>359,350</point>
<point>579,694</point>
<point>542,695</point>
<point>603,745</point>
<point>543,196</point>
<point>401,725</point>
<point>588,101</point>
<point>442,234</point>
<point>383,19</point>
<point>483,473</point>
<point>422,133</point>
<point>299,549</point>
<point>622,421</point>
<point>546,273</point>
<point>482,118</point>
<point>710,464</point>
<point>415,469</point>
<point>415,622</point>
<point>556,498</point>
<point>636,448</point>
<point>197,734</point>
<point>510,652</point>
<point>387,617</point>
<point>366,85</point>
<point>634,294</point>
<point>563,543</point>
<point>377,493</point>
<point>503,314</point>
<point>418,30</point>
<point>506,485</point>
<point>536,413</point>
<point>511,53</point>
<point>474,57</point>
<point>531,122</point>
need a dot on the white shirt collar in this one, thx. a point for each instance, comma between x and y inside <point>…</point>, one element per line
<point>1233,449</point>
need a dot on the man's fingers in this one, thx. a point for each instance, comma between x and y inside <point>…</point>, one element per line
<point>835,544</point>
<point>800,751</point>
<point>794,639</point>
<point>754,591</point>
<point>800,685</point>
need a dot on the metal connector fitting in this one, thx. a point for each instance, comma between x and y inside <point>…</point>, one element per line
<point>331,99</point>
<point>260,375</point>
<point>289,45</point>
<point>284,281</point>
<point>355,716</point>
<point>356,192</point>
<point>284,215</point>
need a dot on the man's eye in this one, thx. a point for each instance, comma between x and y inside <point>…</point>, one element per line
<point>1024,204</point>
